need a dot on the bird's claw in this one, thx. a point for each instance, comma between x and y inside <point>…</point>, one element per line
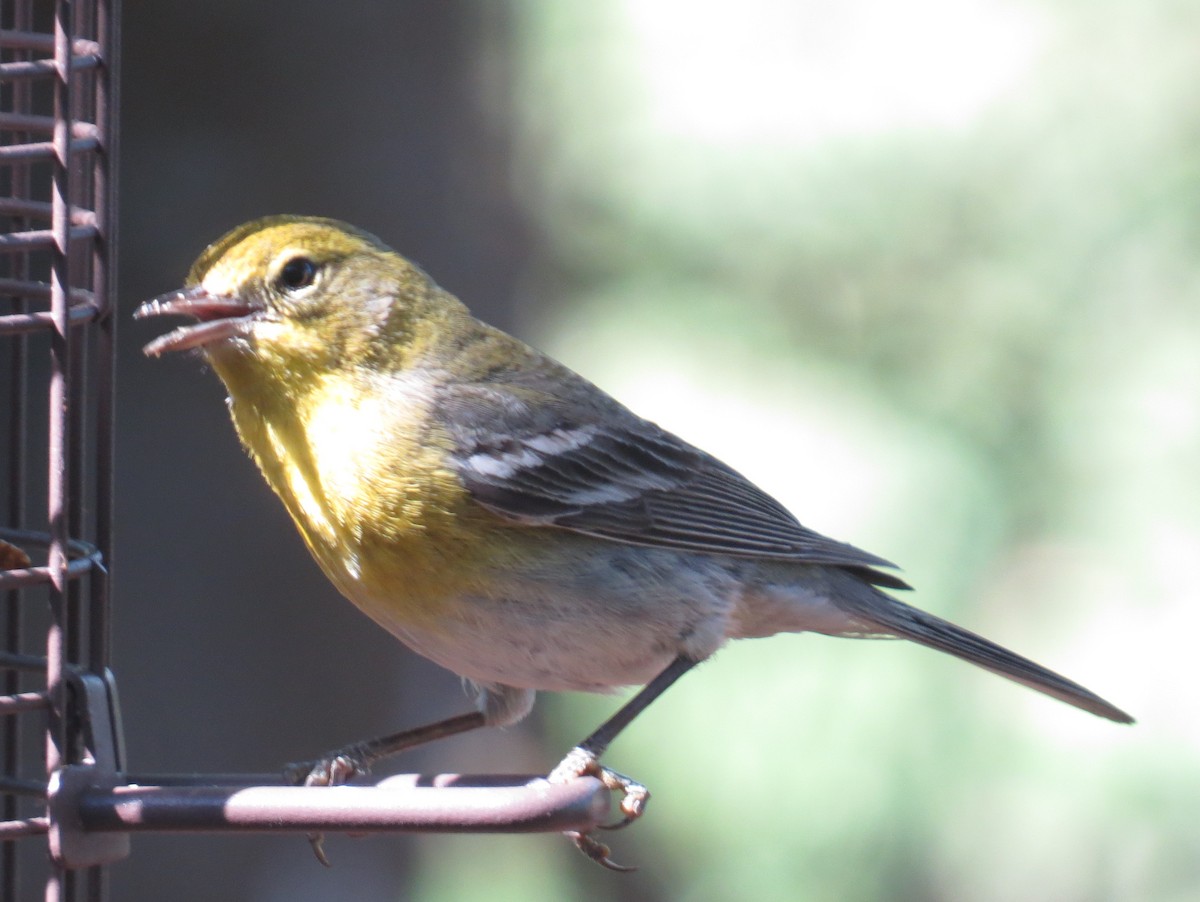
<point>596,850</point>
<point>633,799</point>
<point>332,770</point>
<point>581,762</point>
<point>317,842</point>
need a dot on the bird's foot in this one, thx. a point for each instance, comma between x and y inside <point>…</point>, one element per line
<point>335,769</point>
<point>580,762</point>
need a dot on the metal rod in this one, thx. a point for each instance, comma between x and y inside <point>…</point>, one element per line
<point>446,803</point>
<point>31,826</point>
<point>16,508</point>
<point>21,39</point>
<point>41,321</point>
<point>18,661</point>
<point>27,122</point>
<point>41,68</point>
<point>20,702</point>
<point>38,209</point>
<point>42,239</point>
<point>104,276</point>
<point>58,883</point>
<point>44,150</point>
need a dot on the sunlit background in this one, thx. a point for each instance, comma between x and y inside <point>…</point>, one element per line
<point>927,272</point>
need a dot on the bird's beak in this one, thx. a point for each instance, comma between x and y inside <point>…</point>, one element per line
<point>220,318</point>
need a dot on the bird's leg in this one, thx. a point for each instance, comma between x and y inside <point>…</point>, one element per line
<point>584,760</point>
<point>341,765</point>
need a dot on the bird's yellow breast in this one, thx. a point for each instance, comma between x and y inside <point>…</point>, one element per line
<point>371,494</point>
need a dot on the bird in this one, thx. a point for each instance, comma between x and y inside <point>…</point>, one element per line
<point>501,515</point>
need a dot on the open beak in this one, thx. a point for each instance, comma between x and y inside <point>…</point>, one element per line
<point>220,318</point>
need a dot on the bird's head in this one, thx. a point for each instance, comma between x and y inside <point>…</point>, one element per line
<point>293,295</point>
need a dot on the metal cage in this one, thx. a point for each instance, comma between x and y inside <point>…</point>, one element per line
<point>57,97</point>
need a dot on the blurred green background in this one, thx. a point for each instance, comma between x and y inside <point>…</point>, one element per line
<point>927,272</point>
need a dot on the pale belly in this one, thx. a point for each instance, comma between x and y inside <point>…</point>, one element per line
<point>610,616</point>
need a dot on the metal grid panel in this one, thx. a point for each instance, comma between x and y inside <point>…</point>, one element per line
<point>57,96</point>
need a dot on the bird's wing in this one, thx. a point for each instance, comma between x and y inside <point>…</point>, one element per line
<point>605,472</point>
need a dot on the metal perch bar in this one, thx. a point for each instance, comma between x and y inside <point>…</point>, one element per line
<point>89,824</point>
<point>409,802</point>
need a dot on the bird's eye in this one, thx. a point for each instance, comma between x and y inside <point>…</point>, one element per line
<point>297,273</point>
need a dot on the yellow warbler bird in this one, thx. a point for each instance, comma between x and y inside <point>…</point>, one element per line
<point>498,513</point>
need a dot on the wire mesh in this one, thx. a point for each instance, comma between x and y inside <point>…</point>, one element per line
<point>57,99</point>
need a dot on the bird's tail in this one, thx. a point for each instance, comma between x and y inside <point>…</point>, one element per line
<point>896,618</point>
